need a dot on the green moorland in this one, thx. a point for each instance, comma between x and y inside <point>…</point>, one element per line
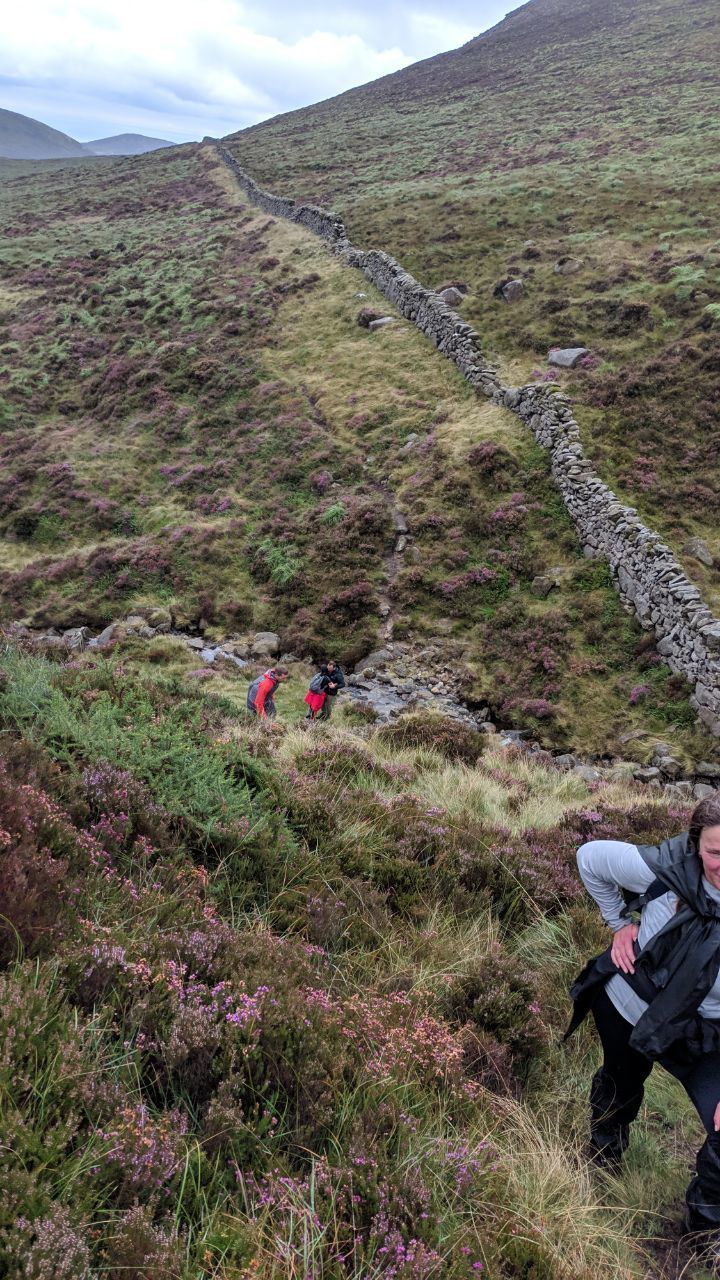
<point>192,418</point>
<point>584,131</point>
<point>288,1004</point>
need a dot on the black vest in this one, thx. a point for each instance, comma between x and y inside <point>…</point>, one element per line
<point>677,967</point>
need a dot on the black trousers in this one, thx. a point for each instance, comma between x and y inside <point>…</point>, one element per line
<point>616,1096</point>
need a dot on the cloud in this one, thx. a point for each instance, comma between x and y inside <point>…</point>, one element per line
<point>179,69</point>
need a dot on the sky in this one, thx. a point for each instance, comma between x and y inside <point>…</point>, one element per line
<point>180,69</point>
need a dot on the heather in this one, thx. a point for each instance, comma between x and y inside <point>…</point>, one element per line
<point>281,1003</point>
<point>194,421</point>
<point>555,149</point>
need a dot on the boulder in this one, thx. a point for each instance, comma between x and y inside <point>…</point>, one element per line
<point>135,621</point>
<point>109,636</point>
<point>487,727</point>
<point>702,790</point>
<point>710,719</point>
<point>238,648</point>
<point>566,266</point>
<point>542,585</point>
<point>680,790</point>
<point>513,291</point>
<point>587,773</point>
<point>705,769</point>
<point>265,642</point>
<point>699,550</point>
<point>566,357</point>
<point>194,642</point>
<point>648,774</point>
<point>669,766</point>
<point>379,659</point>
<point>451,296</point>
<point>565,763</point>
<point>77,638</point>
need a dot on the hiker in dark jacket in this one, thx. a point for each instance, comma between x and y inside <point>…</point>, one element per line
<point>334,680</point>
<point>261,694</point>
<point>655,993</point>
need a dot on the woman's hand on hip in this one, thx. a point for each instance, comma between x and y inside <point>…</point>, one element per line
<point>716,1118</point>
<point>623,947</point>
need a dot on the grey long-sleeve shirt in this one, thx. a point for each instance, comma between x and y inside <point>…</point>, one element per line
<point>606,867</point>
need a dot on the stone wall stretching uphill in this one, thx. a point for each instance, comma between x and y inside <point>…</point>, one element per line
<point>647,575</point>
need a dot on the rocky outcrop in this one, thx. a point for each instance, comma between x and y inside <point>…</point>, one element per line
<point>647,576</point>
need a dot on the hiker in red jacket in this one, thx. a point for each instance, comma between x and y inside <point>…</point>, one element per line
<point>261,694</point>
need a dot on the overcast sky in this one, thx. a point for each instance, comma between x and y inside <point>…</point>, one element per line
<point>179,69</point>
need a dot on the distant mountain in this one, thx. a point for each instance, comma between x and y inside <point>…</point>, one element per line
<point>126,144</point>
<point>22,138</point>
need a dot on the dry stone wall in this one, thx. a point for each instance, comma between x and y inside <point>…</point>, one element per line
<point>647,576</point>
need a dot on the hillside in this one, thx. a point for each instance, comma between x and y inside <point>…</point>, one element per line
<point>572,147</point>
<point>125,144</point>
<point>236,449</point>
<point>289,1004</point>
<point>285,1002</point>
<point>22,138</point>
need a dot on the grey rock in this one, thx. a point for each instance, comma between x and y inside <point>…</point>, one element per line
<point>194,642</point>
<point>487,727</point>
<point>699,550</point>
<point>451,296</point>
<point>565,762</point>
<point>705,769</point>
<point>567,266</point>
<point>542,585</point>
<point>661,749</point>
<point>648,774</point>
<point>77,639</point>
<point>702,790</point>
<point>238,648</point>
<point>621,771</point>
<point>107,636</point>
<point>587,773</point>
<point>566,357</point>
<point>265,642</point>
<point>513,291</point>
<point>680,790</point>
<point>378,658</point>
<point>710,719</point>
<point>135,621</point>
<point>669,766</point>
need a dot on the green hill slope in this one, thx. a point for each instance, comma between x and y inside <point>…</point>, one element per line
<point>573,147</point>
<point>193,418</point>
<point>22,138</point>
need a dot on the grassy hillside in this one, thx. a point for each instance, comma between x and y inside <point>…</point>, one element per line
<point>288,1005</point>
<point>578,130</point>
<point>193,418</point>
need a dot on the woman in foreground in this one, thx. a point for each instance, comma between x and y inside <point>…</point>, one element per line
<point>655,993</point>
